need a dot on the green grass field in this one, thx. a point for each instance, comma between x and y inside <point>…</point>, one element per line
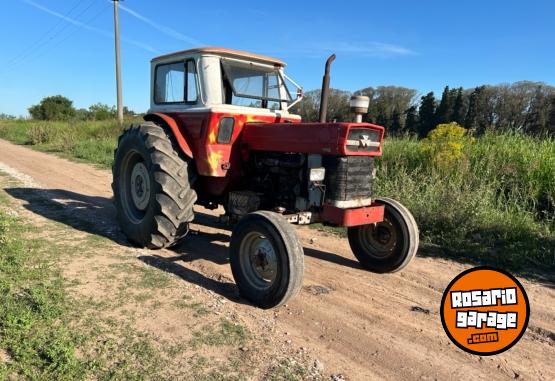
<point>93,142</point>
<point>495,205</point>
<point>34,329</point>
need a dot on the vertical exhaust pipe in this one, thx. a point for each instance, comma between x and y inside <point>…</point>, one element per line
<point>325,90</point>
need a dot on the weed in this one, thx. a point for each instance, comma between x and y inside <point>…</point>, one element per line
<point>226,333</point>
<point>290,370</point>
<point>198,308</point>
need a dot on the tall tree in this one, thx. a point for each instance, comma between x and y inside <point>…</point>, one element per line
<point>426,114</point>
<point>384,100</point>
<point>551,120</point>
<point>395,123</point>
<point>458,108</point>
<point>444,111</point>
<point>521,106</point>
<point>471,118</point>
<point>382,119</point>
<point>538,113</point>
<point>411,120</point>
<point>338,106</point>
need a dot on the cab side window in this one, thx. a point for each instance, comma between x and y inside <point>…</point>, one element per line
<point>176,82</point>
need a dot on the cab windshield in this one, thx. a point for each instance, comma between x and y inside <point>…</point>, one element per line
<point>246,84</point>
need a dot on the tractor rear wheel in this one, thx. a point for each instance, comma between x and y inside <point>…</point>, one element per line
<point>387,246</point>
<point>267,259</point>
<point>152,183</point>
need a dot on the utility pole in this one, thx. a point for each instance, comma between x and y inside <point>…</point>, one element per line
<point>118,62</point>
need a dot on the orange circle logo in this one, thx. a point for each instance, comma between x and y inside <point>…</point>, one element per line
<point>485,311</point>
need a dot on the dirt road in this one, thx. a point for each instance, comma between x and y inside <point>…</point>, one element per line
<point>361,325</point>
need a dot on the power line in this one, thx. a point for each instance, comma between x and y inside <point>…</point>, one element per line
<point>35,54</point>
<point>43,36</point>
<point>40,50</point>
<point>68,36</point>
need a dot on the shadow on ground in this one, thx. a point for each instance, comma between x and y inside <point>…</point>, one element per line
<point>96,215</point>
<point>90,214</point>
<point>506,259</point>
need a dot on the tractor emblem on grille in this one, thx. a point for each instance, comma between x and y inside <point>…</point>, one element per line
<point>364,141</point>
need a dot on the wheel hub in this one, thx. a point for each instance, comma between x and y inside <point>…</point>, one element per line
<point>261,264</point>
<point>379,239</point>
<point>383,235</point>
<point>140,186</point>
<point>263,259</point>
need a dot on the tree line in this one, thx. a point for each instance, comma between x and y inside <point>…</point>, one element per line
<point>523,106</point>
<point>58,107</point>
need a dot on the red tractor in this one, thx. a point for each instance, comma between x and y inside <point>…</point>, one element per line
<point>219,133</point>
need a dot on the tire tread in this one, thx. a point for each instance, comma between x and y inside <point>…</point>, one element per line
<point>173,177</point>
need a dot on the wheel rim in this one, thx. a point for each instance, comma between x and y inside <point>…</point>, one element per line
<point>140,186</point>
<point>135,186</point>
<point>259,260</point>
<point>379,240</point>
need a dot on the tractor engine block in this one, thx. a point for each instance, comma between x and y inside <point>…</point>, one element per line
<point>278,178</point>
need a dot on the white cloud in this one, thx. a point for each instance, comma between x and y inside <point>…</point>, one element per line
<point>369,49</point>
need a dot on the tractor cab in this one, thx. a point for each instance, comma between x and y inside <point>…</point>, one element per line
<point>207,95</point>
<point>221,79</point>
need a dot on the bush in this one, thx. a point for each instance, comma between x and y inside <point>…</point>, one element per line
<point>39,134</point>
<point>101,111</point>
<point>4,116</point>
<point>446,144</point>
<point>53,108</point>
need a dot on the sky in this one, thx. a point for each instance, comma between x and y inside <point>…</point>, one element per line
<point>50,47</point>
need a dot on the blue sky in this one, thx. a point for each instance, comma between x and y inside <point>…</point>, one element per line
<point>66,47</point>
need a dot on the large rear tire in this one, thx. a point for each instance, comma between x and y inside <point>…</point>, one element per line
<point>267,259</point>
<point>387,246</point>
<point>152,183</point>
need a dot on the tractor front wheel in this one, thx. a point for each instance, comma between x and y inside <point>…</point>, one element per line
<point>152,183</point>
<point>266,259</point>
<point>387,246</point>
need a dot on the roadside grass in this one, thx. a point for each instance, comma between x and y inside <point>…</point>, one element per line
<point>49,330</point>
<point>35,333</point>
<point>495,205</point>
<point>90,141</point>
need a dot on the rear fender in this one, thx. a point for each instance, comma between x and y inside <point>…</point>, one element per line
<point>167,120</point>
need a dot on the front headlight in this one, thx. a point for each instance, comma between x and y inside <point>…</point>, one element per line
<point>317,174</point>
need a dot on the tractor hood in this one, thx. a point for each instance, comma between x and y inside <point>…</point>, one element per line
<point>342,139</point>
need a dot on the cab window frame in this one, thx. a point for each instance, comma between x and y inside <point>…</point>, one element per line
<point>185,64</point>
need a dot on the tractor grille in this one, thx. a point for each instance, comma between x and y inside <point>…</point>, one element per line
<point>363,140</point>
<point>348,178</point>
